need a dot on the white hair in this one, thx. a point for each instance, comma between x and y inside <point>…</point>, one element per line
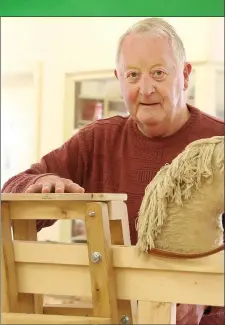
<point>156,27</point>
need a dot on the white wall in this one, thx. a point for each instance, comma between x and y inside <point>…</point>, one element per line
<point>89,43</point>
<point>216,36</point>
<point>18,124</point>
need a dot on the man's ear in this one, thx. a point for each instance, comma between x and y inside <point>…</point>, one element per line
<point>187,72</point>
<point>116,73</point>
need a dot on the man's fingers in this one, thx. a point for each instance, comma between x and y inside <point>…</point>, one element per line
<point>35,188</point>
<point>59,187</point>
<point>73,188</point>
<point>47,188</point>
<point>40,188</point>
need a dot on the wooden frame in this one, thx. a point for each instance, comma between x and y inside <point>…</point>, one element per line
<point>107,269</point>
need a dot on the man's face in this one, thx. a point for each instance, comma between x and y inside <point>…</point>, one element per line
<point>152,81</point>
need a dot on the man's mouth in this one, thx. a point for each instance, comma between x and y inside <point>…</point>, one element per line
<point>149,104</point>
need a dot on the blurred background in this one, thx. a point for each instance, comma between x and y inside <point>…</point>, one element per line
<point>57,76</point>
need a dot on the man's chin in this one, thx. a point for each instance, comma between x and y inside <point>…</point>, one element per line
<point>148,120</point>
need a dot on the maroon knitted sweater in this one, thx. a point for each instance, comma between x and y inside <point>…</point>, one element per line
<point>112,156</point>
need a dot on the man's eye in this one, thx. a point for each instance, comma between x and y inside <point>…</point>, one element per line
<point>133,74</point>
<point>159,74</point>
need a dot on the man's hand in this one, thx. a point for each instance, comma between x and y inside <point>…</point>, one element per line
<point>189,314</point>
<point>54,184</point>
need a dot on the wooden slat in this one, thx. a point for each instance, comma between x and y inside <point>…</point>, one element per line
<point>90,197</point>
<point>116,232</point>
<point>132,284</point>
<point>83,309</point>
<point>51,209</point>
<point>181,287</point>
<point>116,210</point>
<point>8,260</point>
<point>71,310</point>
<point>26,230</point>
<point>76,279</point>
<point>156,313</point>
<point>4,285</point>
<point>123,257</point>
<point>120,235</point>
<point>10,318</point>
<point>102,274</point>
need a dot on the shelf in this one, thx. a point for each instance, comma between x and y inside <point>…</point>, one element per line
<point>114,100</point>
<point>87,97</point>
<point>98,98</point>
<point>84,121</point>
<point>89,93</point>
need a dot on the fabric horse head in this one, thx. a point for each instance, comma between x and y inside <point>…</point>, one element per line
<point>182,206</point>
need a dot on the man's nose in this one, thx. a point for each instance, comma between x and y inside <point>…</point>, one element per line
<point>146,86</point>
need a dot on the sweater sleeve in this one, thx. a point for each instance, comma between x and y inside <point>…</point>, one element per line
<point>216,317</point>
<point>66,162</point>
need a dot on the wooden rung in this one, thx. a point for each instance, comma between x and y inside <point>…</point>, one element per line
<point>61,209</point>
<point>123,257</point>
<point>8,260</point>
<point>17,318</point>
<point>103,197</point>
<point>69,311</point>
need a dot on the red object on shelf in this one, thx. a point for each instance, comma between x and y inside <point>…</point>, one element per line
<point>98,111</point>
<point>91,110</point>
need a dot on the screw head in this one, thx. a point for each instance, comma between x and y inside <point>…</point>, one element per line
<point>91,214</point>
<point>96,257</point>
<point>125,320</point>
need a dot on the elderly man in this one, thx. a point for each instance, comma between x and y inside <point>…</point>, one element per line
<point>123,154</point>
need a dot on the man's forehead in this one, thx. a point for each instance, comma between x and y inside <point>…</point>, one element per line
<point>145,39</point>
<point>144,49</point>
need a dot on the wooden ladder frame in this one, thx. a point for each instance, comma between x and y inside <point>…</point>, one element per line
<point>126,286</point>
